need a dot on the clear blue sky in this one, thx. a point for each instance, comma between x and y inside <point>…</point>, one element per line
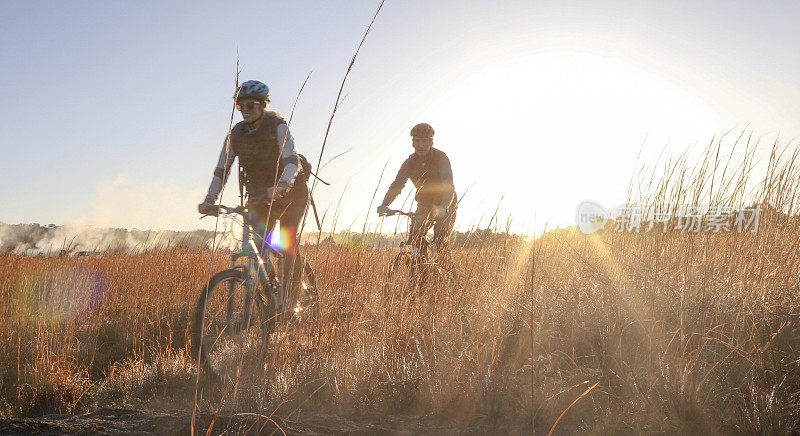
<point>113,112</point>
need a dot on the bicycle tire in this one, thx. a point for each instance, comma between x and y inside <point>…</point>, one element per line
<point>231,329</point>
<point>404,275</point>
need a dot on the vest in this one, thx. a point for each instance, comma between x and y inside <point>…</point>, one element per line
<point>259,153</point>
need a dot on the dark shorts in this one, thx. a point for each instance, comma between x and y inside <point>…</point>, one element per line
<point>289,209</point>
<point>442,225</point>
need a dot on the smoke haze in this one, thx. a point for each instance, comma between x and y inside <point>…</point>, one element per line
<point>35,239</point>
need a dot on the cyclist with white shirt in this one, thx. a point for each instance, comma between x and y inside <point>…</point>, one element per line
<point>270,170</point>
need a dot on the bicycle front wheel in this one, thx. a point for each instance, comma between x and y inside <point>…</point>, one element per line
<point>405,274</point>
<point>231,324</point>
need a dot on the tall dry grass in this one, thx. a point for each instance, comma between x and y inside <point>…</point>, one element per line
<point>678,332</point>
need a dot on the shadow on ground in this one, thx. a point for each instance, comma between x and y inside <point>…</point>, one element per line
<point>141,422</point>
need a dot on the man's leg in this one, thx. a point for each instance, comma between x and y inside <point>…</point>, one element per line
<point>444,227</point>
<point>442,231</point>
<point>421,222</point>
<point>297,201</point>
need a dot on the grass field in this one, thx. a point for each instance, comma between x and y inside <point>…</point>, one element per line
<point>633,332</point>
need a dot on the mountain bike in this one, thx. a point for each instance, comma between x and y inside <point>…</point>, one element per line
<point>418,263</point>
<point>241,306</point>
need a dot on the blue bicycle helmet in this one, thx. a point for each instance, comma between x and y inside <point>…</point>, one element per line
<point>252,89</point>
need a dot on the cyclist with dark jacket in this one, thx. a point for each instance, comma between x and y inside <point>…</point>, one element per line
<point>430,172</point>
<point>270,168</point>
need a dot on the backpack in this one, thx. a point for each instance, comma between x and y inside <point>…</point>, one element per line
<point>305,170</point>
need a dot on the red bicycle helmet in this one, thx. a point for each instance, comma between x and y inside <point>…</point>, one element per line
<point>423,130</point>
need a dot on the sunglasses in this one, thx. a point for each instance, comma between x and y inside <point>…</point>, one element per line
<point>247,105</point>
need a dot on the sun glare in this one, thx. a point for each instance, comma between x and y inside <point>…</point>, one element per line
<point>559,127</point>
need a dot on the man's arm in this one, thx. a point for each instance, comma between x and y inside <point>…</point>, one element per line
<point>397,186</point>
<point>221,172</point>
<point>289,159</point>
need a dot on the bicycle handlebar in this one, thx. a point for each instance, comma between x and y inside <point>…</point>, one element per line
<point>245,213</point>
<point>241,210</point>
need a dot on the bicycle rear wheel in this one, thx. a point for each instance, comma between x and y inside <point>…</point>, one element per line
<point>231,324</point>
<point>302,300</point>
<point>306,307</point>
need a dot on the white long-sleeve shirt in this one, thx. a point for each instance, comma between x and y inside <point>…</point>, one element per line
<point>226,157</point>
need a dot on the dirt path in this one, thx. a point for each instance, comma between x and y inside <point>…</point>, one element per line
<point>142,422</point>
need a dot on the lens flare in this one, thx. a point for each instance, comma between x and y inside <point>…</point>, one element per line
<point>279,238</point>
<point>60,294</point>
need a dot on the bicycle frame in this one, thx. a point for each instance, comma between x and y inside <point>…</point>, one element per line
<point>254,261</point>
<point>416,248</point>
<point>424,255</point>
